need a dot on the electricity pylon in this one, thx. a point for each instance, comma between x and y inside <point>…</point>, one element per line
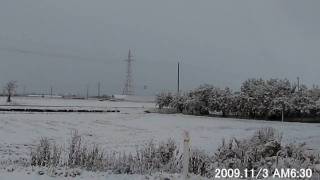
<point>128,86</point>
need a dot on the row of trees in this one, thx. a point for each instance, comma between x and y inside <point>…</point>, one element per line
<point>257,99</point>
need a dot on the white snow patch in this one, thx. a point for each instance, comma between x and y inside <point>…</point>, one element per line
<point>126,130</point>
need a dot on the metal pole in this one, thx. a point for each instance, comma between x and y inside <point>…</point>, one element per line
<point>24,91</point>
<point>298,78</point>
<point>282,113</point>
<point>178,78</point>
<point>99,86</point>
<point>87,91</point>
<point>128,88</point>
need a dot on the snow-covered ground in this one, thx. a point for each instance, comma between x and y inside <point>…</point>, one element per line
<point>29,175</point>
<point>38,102</point>
<point>130,128</point>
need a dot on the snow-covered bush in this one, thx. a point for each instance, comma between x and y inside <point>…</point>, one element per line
<point>263,149</point>
<point>46,154</point>
<point>178,103</point>
<point>262,98</point>
<point>84,156</point>
<point>303,105</point>
<point>259,151</point>
<point>78,155</point>
<point>200,163</point>
<point>268,98</point>
<point>164,99</point>
<point>202,99</point>
<point>223,101</point>
<point>257,99</point>
<point>162,157</point>
<point>206,99</point>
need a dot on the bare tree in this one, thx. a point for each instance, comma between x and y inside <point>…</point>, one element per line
<point>10,89</point>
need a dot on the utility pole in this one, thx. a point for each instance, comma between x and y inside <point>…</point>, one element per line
<point>51,91</point>
<point>282,113</point>
<point>186,155</point>
<point>298,79</point>
<point>99,86</point>
<point>24,90</point>
<point>178,90</point>
<point>87,96</point>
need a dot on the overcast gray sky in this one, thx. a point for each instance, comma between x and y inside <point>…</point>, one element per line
<point>68,44</point>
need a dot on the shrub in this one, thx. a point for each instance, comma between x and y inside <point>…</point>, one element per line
<point>257,99</point>
<point>46,154</point>
<point>81,155</point>
<point>200,163</point>
<point>262,150</point>
<point>151,158</point>
<point>164,100</point>
<point>49,154</point>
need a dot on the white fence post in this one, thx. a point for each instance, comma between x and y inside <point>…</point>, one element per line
<point>186,154</point>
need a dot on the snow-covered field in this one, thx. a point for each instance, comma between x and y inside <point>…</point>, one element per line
<point>92,176</point>
<point>58,103</point>
<point>128,129</point>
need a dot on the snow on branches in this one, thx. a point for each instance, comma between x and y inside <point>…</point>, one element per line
<point>257,99</point>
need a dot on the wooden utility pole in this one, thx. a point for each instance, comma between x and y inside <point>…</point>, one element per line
<point>186,155</point>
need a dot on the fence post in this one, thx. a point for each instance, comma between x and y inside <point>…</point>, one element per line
<point>186,154</point>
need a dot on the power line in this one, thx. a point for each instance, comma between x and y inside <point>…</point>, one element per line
<point>57,55</point>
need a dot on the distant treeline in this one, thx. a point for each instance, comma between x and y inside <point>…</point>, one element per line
<point>257,99</point>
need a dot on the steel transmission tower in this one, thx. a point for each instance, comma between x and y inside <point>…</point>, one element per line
<point>128,86</point>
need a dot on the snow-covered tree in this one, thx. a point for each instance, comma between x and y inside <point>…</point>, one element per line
<point>198,101</point>
<point>178,103</point>
<point>257,99</point>
<point>10,89</point>
<point>164,99</point>
<point>221,101</point>
<point>302,104</point>
<point>253,97</point>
